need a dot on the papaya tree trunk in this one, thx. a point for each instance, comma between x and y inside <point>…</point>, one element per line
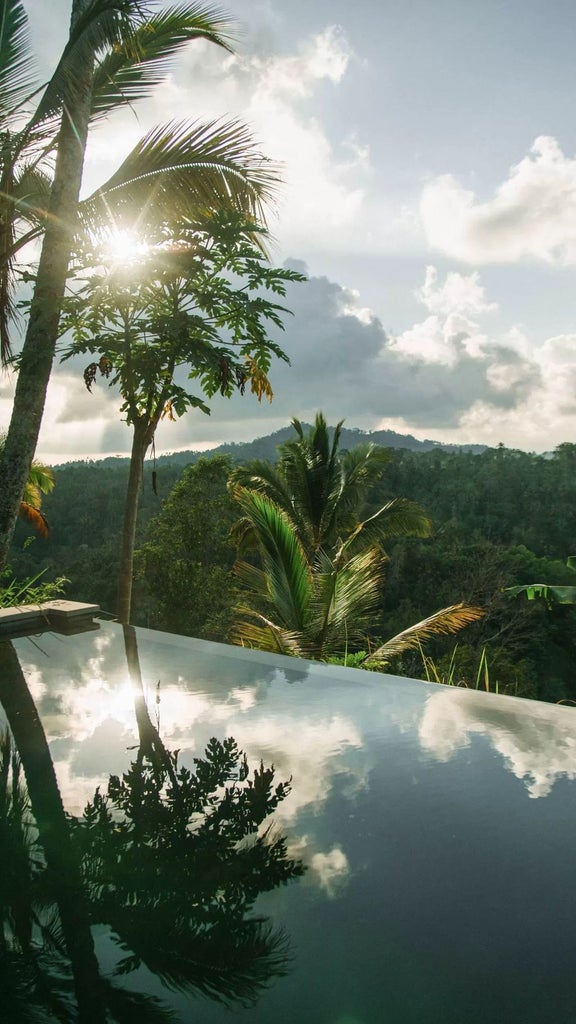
<point>140,442</point>
<point>42,332</point>
<point>49,815</point>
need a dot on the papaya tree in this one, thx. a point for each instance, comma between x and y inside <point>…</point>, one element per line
<point>196,308</point>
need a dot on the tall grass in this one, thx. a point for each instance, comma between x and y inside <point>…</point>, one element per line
<point>449,676</point>
<point>29,591</point>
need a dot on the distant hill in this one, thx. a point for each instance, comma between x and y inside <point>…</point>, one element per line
<point>265,447</point>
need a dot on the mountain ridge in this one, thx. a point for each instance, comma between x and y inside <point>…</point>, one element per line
<point>265,447</point>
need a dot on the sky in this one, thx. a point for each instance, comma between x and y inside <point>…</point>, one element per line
<point>428,153</point>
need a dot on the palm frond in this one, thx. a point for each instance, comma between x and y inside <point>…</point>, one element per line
<point>31,193</point>
<point>446,621</point>
<point>345,600</point>
<point>260,633</point>
<point>127,1006</point>
<point>361,467</point>
<point>284,563</point>
<point>36,518</point>
<point>124,76</point>
<point>180,170</point>
<point>258,475</point>
<point>399,517</point>
<point>16,60</point>
<point>101,24</point>
<point>23,197</point>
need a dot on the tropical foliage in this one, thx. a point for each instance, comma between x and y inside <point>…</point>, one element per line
<point>548,592</point>
<point>318,586</point>
<point>186,563</point>
<point>483,541</point>
<point>199,304</point>
<point>40,482</point>
<point>117,52</point>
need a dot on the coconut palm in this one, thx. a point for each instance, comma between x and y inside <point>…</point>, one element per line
<point>322,565</point>
<point>324,492</point>
<point>117,52</point>
<point>40,481</point>
<point>321,606</point>
<point>310,607</point>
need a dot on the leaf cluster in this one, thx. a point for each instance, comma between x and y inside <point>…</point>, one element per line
<point>198,301</point>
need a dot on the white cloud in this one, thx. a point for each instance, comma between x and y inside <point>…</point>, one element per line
<point>460,293</point>
<point>448,376</point>
<point>324,56</point>
<point>532,214</point>
<point>448,333</point>
<point>322,194</point>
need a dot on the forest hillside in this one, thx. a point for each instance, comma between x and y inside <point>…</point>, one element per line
<point>501,518</point>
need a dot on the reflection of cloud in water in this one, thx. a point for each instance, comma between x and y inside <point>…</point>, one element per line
<point>89,711</point>
<point>311,751</point>
<point>328,870</point>
<point>110,736</point>
<point>332,870</point>
<point>537,741</point>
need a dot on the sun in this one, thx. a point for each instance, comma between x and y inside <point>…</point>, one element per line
<point>122,246</point>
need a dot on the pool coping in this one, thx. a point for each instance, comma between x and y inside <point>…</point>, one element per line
<point>60,616</point>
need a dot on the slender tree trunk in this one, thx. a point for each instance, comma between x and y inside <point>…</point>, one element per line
<point>48,811</point>
<point>42,332</point>
<point>140,441</point>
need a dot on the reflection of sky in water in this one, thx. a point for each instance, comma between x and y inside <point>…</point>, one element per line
<point>436,888</point>
<point>536,741</point>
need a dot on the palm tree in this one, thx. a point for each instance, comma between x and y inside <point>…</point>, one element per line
<point>322,568</point>
<point>309,607</point>
<point>324,492</point>
<point>115,55</point>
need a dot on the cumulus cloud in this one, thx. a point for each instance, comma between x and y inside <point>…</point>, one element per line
<point>459,293</point>
<point>532,214</point>
<point>322,192</point>
<point>449,375</point>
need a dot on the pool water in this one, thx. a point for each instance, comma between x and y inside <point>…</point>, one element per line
<point>424,859</point>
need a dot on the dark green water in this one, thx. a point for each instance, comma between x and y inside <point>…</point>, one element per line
<point>429,840</point>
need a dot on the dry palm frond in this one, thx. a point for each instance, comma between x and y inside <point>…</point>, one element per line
<point>447,620</point>
<point>264,635</point>
<point>36,518</point>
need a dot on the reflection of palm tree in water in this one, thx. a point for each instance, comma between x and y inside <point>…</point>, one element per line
<point>165,862</point>
<point>50,820</point>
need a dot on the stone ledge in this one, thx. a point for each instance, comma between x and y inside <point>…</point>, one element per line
<point>55,616</point>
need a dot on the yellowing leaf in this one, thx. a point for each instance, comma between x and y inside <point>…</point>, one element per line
<point>259,383</point>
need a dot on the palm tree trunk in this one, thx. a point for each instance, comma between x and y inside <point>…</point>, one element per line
<point>50,818</point>
<point>42,333</point>
<point>140,442</point>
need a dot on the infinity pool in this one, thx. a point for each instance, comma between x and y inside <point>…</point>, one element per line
<point>420,868</point>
